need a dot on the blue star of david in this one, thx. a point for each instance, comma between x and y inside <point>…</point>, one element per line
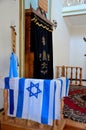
<point>34,89</point>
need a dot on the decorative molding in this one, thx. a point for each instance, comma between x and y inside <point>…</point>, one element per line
<point>40,14</point>
<point>74,10</point>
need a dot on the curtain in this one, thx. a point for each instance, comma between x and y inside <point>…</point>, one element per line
<point>41,45</point>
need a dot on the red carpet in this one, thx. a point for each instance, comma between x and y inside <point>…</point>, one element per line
<point>75,104</point>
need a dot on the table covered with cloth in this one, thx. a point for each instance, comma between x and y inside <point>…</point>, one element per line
<point>35,99</point>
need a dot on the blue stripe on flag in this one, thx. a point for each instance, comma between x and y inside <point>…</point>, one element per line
<point>11,95</point>
<point>20,97</point>
<point>7,83</point>
<point>45,103</point>
<point>67,85</point>
<point>54,101</point>
<point>11,98</point>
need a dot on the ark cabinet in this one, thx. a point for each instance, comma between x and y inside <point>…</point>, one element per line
<point>32,47</point>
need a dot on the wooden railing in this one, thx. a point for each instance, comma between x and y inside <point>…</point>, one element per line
<point>73,73</point>
<point>73,2</point>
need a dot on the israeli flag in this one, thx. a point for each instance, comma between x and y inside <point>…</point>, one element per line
<point>34,99</point>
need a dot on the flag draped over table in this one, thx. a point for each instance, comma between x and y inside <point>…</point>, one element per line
<point>35,99</point>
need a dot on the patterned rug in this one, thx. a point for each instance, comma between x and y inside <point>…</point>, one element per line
<point>75,104</point>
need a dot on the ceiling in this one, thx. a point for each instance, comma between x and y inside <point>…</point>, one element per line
<point>75,15</point>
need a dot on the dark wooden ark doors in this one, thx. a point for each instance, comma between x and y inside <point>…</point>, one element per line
<point>38,48</point>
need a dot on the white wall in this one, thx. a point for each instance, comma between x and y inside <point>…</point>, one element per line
<point>78,48</point>
<point>68,44</point>
<point>61,36</point>
<point>9,15</point>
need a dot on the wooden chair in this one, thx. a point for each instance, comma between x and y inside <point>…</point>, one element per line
<point>75,76</point>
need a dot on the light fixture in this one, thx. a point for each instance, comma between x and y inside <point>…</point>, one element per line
<point>55,24</point>
<point>84,38</point>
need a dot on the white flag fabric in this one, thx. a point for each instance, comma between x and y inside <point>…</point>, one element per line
<point>34,99</point>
